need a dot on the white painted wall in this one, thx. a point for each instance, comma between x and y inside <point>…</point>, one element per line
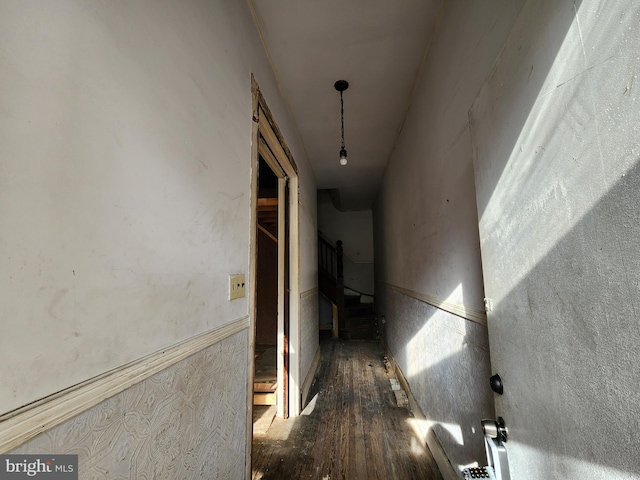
<point>355,229</point>
<point>426,232</point>
<point>557,151</point>
<point>125,148</point>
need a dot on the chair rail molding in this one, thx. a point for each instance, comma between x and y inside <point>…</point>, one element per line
<point>472,314</point>
<point>23,424</point>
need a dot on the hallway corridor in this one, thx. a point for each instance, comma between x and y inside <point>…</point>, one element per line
<point>351,429</point>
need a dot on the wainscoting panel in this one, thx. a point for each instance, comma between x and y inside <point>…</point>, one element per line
<point>445,360</point>
<point>309,333</point>
<point>187,421</point>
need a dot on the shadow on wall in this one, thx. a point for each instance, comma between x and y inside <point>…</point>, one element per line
<point>576,383</point>
<point>573,325</point>
<point>558,175</point>
<point>391,227</point>
<point>445,359</point>
<point>571,317</point>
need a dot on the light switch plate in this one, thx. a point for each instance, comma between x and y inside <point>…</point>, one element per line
<point>236,286</point>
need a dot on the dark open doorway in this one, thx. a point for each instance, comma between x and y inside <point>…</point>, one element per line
<point>266,333</point>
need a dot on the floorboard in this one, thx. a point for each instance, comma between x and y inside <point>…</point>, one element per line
<point>352,428</point>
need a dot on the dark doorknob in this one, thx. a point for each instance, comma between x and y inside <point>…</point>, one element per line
<point>496,384</point>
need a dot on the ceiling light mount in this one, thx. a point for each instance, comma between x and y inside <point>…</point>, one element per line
<point>341,86</point>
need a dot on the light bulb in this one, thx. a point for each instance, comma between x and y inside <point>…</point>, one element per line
<point>343,157</point>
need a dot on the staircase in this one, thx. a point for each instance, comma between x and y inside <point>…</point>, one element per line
<point>356,319</point>
<point>359,319</point>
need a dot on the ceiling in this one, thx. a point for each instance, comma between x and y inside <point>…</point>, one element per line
<point>378,47</point>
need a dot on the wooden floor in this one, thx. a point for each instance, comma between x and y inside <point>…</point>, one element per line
<point>352,429</point>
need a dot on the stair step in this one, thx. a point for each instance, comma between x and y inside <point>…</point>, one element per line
<point>366,321</point>
<point>360,309</point>
<point>351,300</point>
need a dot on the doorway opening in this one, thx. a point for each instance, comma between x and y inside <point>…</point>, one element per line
<point>274,290</point>
<point>268,371</point>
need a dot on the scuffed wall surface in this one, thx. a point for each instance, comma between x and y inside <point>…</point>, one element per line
<point>557,148</point>
<point>127,152</point>
<point>125,157</point>
<point>442,357</point>
<point>125,147</point>
<point>185,422</point>
<point>425,217</point>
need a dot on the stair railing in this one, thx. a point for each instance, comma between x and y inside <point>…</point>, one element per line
<point>327,258</point>
<point>340,286</point>
<point>330,264</point>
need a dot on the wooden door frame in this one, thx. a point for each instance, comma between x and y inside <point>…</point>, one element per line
<point>264,127</point>
<point>268,131</point>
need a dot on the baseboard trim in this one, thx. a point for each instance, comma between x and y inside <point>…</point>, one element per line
<point>429,437</point>
<point>468,313</point>
<point>21,425</point>
<point>308,381</point>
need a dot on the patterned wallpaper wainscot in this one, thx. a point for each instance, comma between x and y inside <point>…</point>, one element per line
<point>445,359</point>
<point>309,341</point>
<point>187,421</point>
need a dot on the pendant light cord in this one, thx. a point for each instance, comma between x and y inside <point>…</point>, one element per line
<point>342,117</point>
<point>341,86</point>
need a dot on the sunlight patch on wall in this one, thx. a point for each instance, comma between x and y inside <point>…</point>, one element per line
<point>533,463</point>
<point>421,428</point>
<point>433,344</point>
<point>535,173</point>
<point>456,296</point>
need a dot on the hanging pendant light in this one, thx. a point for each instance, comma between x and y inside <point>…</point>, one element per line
<point>341,86</point>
